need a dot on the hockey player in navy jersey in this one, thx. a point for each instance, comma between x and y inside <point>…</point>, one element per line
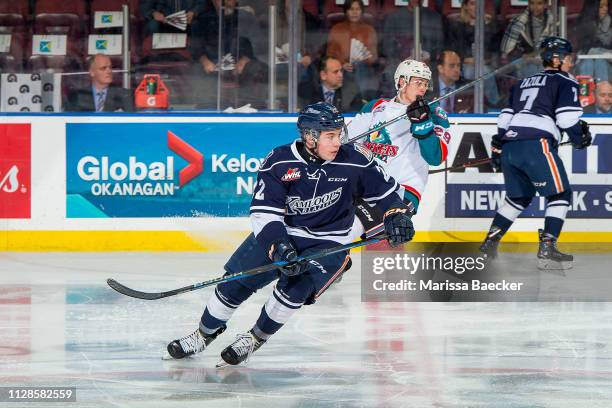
<point>303,202</point>
<point>541,107</point>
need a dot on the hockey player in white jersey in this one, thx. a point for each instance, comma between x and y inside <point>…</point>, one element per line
<point>407,147</point>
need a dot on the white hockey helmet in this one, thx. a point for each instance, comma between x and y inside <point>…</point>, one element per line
<point>411,68</point>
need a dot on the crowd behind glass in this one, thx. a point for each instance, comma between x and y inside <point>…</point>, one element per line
<point>280,55</point>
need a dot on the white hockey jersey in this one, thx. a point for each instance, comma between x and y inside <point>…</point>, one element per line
<point>405,158</point>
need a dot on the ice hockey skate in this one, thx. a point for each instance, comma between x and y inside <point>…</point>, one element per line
<point>549,257</point>
<point>489,245</point>
<point>191,344</point>
<point>240,350</point>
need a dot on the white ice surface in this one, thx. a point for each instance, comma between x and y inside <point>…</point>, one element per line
<point>60,325</point>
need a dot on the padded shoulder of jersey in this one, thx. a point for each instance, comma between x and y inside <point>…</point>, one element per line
<point>355,153</point>
<point>371,105</point>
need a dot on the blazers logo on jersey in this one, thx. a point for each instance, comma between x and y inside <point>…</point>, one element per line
<point>363,150</point>
<point>295,205</point>
<point>292,174</point>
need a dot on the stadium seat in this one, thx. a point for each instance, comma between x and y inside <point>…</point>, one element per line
<point>12,61</point>
<point>12,22</point>
<point>14,15</point>
<point>507,10</point>
<point>21,7</point>
<point>117,5</point>
<point>71,62</point>
<point>60,17</point>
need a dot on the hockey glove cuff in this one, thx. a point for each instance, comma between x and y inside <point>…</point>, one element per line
<point>420,118</point>
<point>282,250</point>
<point>496,151</point>
<point>586,138</point>
<point>398,226</point>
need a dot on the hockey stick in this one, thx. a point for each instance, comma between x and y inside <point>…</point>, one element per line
<point>458,90</point>
<point>475,163</point>
<point>124,290</point>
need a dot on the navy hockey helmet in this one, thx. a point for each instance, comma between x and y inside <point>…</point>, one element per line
<point>552,47</point>
<point>318,117</point>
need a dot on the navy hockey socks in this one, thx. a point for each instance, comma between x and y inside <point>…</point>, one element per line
<point>222,305</point>
<point>556,210</point>
<point>509,211</point>
<point>275,313</point>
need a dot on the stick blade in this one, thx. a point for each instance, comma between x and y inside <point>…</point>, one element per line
<point>124,290</point>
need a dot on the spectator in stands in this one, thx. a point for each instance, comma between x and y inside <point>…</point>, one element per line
<point>524,35</point>
<point>331,87</point>
<point>460,37</point>
<point>397,42</point>
<point>354,43</point>
<point>603,99</point>
<point>308,44</point>
<point>154,13</point>
<point>101,96</point>
<point>239,63</point>
<point>593,32</point>
<point>446,79</point>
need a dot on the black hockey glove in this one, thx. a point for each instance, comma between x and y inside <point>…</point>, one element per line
<point>420,118</point>
<point>586,139</point>
<point>496,151</point>
<point>282,250</point>
<point>398,226</point>
<point>418,111</point>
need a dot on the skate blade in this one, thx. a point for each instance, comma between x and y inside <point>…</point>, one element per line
<point>222,364</point>
<point>550,265</point>
<point>166,356</point>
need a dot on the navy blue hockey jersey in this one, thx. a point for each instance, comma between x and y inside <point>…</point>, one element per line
<point>315,200</point>
<point>540,106</point>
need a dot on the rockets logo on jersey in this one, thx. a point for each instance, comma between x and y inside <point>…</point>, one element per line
<point>382,149</point>
<point>379,143</point>
<point>292,174</point>
<point>295,205</point>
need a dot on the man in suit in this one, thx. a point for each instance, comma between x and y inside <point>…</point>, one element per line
<point>446,79</point>
<point>331,87</point>
<point>603,99</point>
<point>100,96</point>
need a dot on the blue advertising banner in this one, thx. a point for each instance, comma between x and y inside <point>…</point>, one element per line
<point>479,191</point>
<point>482,200</point>
<point>166,169</point>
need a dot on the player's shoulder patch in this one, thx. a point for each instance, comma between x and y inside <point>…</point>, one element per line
<point>265,159</point>
<point>566,76</point>
<point>373,105</point>
<point>439,112</point>
<point>280,153</point>
<point>367,153</point>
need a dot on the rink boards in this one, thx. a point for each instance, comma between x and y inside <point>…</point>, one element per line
<point>183,182</point>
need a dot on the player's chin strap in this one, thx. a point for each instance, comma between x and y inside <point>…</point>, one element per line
<point>499,70</point>
<point>308,155</point>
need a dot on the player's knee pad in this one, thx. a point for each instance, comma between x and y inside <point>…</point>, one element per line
<point>561,198</point>
<point>519,202</point>
<point>513,207</point>
<point>558,204</point>
<point>233,293</point>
